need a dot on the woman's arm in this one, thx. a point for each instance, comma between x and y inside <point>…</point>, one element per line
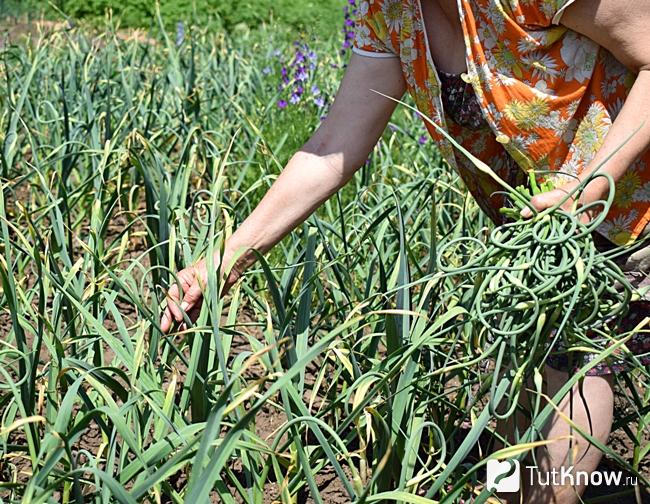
<point>323,165</point>
<point>622,27</point>
<point>330,157</point>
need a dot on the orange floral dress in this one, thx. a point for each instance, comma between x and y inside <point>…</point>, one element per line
<point>548,94</point>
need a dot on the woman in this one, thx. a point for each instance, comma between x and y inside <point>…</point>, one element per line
<point>523,84</point>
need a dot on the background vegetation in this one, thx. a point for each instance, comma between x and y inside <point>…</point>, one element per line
<point>313,17</point>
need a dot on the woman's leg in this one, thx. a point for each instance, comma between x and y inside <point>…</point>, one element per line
<point>597,405</point>
<point>591,410</point>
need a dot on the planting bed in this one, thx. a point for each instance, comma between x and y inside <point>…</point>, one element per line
<point>342,365</point>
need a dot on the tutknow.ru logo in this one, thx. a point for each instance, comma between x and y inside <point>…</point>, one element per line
<point>505,476</point>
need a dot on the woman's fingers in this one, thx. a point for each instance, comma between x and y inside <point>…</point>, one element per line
<point>547,200</point>
<point>551,198</point>
<point>183,300</point>
<point>192,296</point>
<point>166,321</point>
<point>173,303</point>
<point>172,311</point>
<point>184,296</point>
<point>192,314</point>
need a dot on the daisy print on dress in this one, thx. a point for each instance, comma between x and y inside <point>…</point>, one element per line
<point>579,57</point>
<point>549,95</point>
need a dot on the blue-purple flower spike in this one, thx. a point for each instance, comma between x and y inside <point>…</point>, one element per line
<point>180,33</point>
<point>350,13</point>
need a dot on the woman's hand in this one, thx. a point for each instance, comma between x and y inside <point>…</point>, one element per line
<point>189,298</point>
<point>596,190</point>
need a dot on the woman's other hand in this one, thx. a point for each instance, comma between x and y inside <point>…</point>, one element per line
<point>596,190</point>
<point>189,297</point>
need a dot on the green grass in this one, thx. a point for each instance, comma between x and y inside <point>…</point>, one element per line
<point>322,18</point>
<point>123,162</point>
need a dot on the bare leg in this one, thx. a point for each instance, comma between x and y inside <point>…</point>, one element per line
<point>596,402</point>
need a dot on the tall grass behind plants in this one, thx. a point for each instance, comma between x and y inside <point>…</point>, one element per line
<point>316,18</point>
<point>124,161</point>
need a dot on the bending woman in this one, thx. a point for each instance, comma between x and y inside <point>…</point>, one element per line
<point>522,84</point>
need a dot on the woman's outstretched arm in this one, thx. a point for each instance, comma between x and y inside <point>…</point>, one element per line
<point>323,165</point>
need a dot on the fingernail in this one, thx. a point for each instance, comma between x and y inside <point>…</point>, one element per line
<point>525,212</point>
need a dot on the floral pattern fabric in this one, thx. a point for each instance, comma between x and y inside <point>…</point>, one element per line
<point>459,101</point>
<point>463,109</point>
<point>548,94</point>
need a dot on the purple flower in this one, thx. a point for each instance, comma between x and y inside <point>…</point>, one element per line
<point>319,101</point>
<point>282,104</point>
<point>392,127</point>
<point>180,33</point>
<point>297,70</point>
<point>349,12</point>
<point>315,90</point>
<point>422,140</point>
<point>266,70</point>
